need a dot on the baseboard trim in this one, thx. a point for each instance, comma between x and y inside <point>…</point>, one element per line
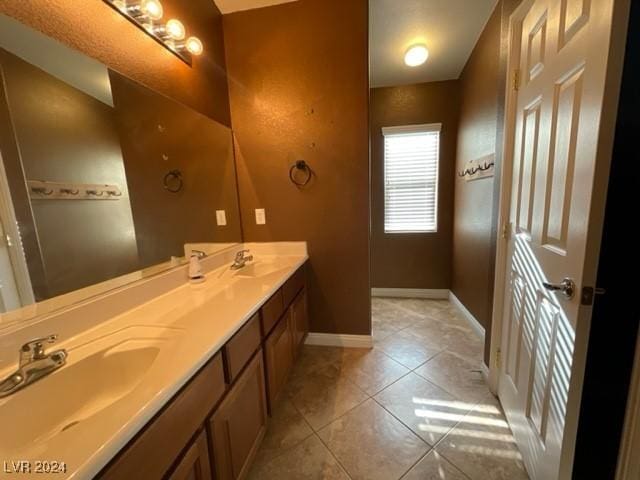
<point>339,340</point>
<point>430,293</point>
<point>468,316</point>
<point>484,371</point>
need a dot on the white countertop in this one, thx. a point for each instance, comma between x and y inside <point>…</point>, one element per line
<point>120,373</point>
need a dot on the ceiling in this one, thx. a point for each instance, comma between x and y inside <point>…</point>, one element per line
<point>229,6</point>
<point>449,29</point>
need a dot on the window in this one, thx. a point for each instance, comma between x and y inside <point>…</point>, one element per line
<point>411,157</point>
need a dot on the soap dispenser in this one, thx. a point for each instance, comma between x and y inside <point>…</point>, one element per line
<point>195,269</point>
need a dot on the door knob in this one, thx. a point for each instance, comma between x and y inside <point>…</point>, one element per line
<point>567,288</point>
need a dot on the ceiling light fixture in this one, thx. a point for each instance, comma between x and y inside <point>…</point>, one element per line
<point>147,15</point>
<point>416,55</point>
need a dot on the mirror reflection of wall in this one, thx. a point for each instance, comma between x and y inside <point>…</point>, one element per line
<point>64,135</point>
<point>85,190</point>
<point>159,136</point>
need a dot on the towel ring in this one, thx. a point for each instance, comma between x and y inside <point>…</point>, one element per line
<point>173,181</point>
<point>300,165</point>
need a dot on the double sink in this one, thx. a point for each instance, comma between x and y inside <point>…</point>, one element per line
<point>116,371</point>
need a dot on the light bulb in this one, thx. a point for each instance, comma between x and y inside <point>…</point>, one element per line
<point>175,29</point>
<point>152,9</point>
<point>416,55</point>
<point>120,5</point>
<point>194,45</point>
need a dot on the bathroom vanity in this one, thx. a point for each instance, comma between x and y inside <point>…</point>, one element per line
<point>164,378</point>
<point>214,425</point>
<point>112,363</point>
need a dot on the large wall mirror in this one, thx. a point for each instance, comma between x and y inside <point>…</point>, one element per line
<point>102,181</point>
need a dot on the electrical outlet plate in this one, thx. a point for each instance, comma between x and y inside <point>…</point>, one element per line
<point>221,218</point>
<point>260,216</point>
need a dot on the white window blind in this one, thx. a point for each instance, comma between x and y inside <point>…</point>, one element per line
<point>411,155</point>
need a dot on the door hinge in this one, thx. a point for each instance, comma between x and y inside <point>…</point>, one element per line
<point>506,230</point>
<point>516,79</point>
<point>499,358</point>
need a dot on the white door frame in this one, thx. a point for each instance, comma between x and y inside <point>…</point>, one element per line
<point>603,163</point>
<point>502,244</point>
<point>616,59</point>
<point>14,240</point>
<point>596,214</point>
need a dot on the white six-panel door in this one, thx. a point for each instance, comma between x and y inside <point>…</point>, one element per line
<point>559,54</point>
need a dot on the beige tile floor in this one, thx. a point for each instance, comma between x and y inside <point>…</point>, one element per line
<point>413,407</point>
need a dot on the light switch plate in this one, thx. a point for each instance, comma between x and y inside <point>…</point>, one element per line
<point>221,218</point>
<point>260,216</point>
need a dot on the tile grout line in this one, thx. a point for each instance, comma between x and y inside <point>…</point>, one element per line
<point>414,433</point>
<point>434,447</point>
<point>352,383</point>
<point>286,450</point>
<point>333,455</point>
<point>431,447</point>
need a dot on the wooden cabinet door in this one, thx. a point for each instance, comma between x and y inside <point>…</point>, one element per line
<point>238,426</point>
<point>299,321</point>
<point>152,453</point>
<point>195,464</point>
<point>279,356</point>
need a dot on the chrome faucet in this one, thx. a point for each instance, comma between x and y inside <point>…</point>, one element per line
<point>34,364</point>
<point>241,260</point>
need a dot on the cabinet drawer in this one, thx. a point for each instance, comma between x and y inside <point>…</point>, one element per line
<point>152,453</point>
<point>292,286</point>
<point>238,425</point>
<point>271,312</point>
<point>241,347</point>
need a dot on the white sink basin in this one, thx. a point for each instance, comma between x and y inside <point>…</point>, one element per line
<point>98,375</point>
<point>261,268</point>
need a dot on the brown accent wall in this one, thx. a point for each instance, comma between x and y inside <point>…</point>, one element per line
<point>299,90</point>
<point>94,28</point>
<point>481,125</point>
<point>415,260</point>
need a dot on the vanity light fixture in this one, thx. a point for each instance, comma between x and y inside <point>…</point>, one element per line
<point>151,9</point>
<point>416,55</point>
<point>194,45</point>
<point>147,15</point>
<point>175,29</point>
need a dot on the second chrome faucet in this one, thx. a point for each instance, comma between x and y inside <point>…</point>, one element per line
<point>241,260</point>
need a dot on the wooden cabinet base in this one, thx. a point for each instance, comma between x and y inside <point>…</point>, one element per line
<point>175,446</point>
<point>156,448</point>
<point>195,464</point>
<point>299,321</point>
<point>237,427</point>
<point>278,349</point>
